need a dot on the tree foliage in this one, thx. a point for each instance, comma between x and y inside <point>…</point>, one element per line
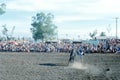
<point>2,8</point>
<point>93,34</point>
<point>42,26</point>
<point>7,33</point>
<point>102,34</point>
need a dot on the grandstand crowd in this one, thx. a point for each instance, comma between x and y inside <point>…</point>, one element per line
<point>110,46</point>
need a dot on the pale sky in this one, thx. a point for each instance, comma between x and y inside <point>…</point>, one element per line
<point>72,17</point>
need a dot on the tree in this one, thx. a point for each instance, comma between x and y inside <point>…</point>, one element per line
<point>6,33</point>
<point>92,35</point>
<point>42,26</point>
<point>2,8</point>
<point>2,11</point>
<point>102,34</point>
<point>108,29</point>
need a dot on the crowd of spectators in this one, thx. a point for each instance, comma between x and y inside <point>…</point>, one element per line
<point>106,46</point>
<point>26,46</point>
<point>109,46</point>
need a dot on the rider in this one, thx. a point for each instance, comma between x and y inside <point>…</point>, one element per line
<point>80,50</point>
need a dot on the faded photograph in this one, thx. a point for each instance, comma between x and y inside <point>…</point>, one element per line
<point>59,39</point>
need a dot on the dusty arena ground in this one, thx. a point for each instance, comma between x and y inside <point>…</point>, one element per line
<point>54,66</point>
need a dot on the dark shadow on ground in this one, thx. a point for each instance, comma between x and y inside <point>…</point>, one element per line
<point>52,64</point>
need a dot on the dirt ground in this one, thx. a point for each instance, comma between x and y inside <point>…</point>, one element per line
<point>54,66</point>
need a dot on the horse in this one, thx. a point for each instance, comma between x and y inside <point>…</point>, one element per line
<point>74,53</point>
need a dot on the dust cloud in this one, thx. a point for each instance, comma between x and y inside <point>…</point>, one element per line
<point>78,65</point>
<point>91,69</point>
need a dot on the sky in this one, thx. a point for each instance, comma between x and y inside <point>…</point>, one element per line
<point>75,19</point>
